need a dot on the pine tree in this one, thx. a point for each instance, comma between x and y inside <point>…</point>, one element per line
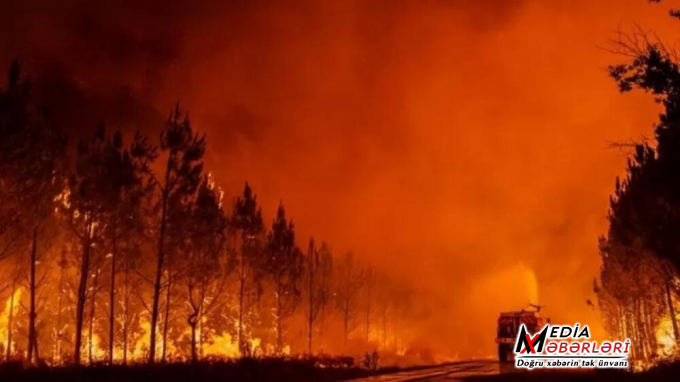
<point>32,160</point>
<point>284,266</point>
<point>349,281</point>
<point>318,271</point>
<point>184,150</point>
<point>205,261</point>
<point>640,261</point>
<point>247,227</point>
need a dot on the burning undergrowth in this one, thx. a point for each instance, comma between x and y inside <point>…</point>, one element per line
<point>121,250</point>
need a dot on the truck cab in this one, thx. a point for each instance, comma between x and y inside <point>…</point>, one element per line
<point>508,327</point>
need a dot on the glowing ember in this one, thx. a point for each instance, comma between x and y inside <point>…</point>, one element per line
<point>11,309</point>
<point>221,346</point>
<point>665,339</point>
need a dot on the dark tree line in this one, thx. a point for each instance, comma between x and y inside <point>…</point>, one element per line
<point>639,286</point>
<point>125,249</point>
<point>30,168</point>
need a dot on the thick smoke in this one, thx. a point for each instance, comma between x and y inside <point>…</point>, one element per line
<point>462,145</point>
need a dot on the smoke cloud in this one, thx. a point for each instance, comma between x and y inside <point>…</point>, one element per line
<point>461,145</point>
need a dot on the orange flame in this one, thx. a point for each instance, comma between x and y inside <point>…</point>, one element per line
<point>4,319</point>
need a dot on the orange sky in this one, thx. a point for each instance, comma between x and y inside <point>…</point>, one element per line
<point>464,146</point>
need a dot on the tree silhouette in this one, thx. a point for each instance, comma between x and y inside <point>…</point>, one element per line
<point>640,260</point>
<point>284,266</point>
<point>318,268</point>
<point>349,280</point>
<point>32,158</point>
<point>144,239</point>
<point>184,150</point>
<point>103,207</point>
<point>205,261</point>
<point>246,225</point>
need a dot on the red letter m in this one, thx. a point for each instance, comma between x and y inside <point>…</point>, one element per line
<point>533,345</point>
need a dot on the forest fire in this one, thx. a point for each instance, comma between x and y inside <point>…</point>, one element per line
<point>6,316</point>
<point>219,280</point>
<point>347,184</point>
<point>665,338</point>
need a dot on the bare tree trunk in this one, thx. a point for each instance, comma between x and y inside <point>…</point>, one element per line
<point>310,317</point>
<point>638,330</point>
<point>166,318</point>
<point>368,310</point>
<point>194,354</point>
<point>345,321</point>
<point>201,312</point>
<point>671,312</point>
<point>621,315</point>
<point>242,291</point>
<point>650,338</point>
<point>193,318</point>
<point>279,327</point>
<point>112,295</point>
<point>159,268</point>
<point>384,327</point>
<point>154,308</point>
<point>32,334</point>
<point>57,326</point>
<point>10,315</point>
<point>126,307</point>
<point>321,326</point>
<point>630,329</point>
<point>82,292</point>
<point>90,332</point>
<point>199,340</point>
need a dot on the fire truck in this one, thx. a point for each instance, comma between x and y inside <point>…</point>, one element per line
<point>508,327</point>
